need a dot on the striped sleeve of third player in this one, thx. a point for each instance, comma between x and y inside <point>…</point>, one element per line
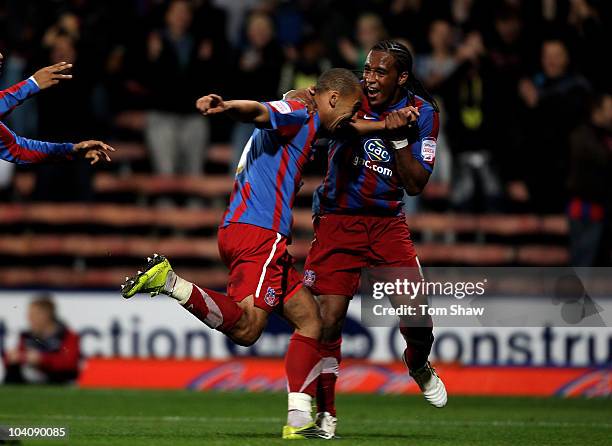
<point>15,95</point>
<point>20,150</point>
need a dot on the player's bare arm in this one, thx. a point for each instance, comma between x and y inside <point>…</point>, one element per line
<point>240,110</point>
<point>401,128</point>
<point>94,150</point>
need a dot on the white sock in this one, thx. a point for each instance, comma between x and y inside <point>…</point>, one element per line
<point>300,409</point>
<point>178,288</point>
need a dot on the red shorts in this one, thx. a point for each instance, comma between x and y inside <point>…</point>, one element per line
<point>344,244</point>
<point>259,265</point>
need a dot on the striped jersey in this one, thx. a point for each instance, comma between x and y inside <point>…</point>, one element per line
<point>269,173</point>
<point>362,177</point>
<point>17,149</point>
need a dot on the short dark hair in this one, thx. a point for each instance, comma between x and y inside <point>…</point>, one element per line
<point>339,79</point>
<point>45,303</point>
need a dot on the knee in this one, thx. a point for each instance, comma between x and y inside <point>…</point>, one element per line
<point>246,331</point>
<point>311,326</point>
<point>332,323</point>
<point>245,337</point>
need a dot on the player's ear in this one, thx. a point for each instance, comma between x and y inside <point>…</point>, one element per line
<point>334,96</point>
<point>402,79</point>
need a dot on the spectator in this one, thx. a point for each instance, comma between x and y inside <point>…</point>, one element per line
<point>555,103</point>
<point>417,13</point>
<point>71,182</point>
<point>475,184</point>
<point>258,71</point>
<point>305,66</point>
<point>369,31</point>
<point>590,186</point>
<point>434,68</point>
<point>504,66</point>
<point>47,353</point>
<point>178,70</point>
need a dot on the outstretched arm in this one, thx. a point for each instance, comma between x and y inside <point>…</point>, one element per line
<point>43,78</point>
<point>20,150</point>
<point>240,110</point>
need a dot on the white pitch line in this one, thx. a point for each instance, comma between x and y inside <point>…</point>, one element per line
<point>457,423</point>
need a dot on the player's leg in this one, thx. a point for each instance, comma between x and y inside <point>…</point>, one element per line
<point>332,271</point>
<point>392,248</point>
<point>333,312</point>
<point>302,363</point>
<point>241,321</point>
<point>256,259</point>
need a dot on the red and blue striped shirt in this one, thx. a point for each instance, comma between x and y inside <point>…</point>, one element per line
<point>362,177</point>
<point>269,173</point>
<point>20,150</point>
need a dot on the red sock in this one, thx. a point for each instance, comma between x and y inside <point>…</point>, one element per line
<point>326,390</point>
<point>418,345</point>
<point>215,309</point>
<point>303,364</point>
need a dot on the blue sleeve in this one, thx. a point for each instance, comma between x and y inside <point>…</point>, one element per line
<point>286,117</point>
<point>424,149</point>
<point>15,95</point>
<point>19,150</point>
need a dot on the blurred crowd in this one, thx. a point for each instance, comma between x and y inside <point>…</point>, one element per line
<point>523,84</point>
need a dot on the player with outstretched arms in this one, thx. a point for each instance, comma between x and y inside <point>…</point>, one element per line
<point>254,233</point>
<point>20,150</point>
<point>358,218</point>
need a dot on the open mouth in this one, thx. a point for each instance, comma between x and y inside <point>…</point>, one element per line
<point>373,93</point>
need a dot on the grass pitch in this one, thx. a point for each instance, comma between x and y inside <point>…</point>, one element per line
<point>117,417</point>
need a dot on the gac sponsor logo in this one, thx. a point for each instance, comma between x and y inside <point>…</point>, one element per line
<point>376,151</point>
<point>358,161</point>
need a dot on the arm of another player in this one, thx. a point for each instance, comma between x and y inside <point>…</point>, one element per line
<point>361,127</point>
<point>416,131</point>
<point>20,150</point>
<point>240,110</point>
<point>42,79</point>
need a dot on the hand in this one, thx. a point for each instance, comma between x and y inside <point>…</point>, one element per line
<point>32,357</point>
<point>517,191</point>
<point>305,96</point>
<point>94,150</point>
<point>205,50</point>
<point>211,104</point>
<point>399,122</point>
<point>154,46</point>
<point>529,93</point>
<point>13,356</point>
<point>49,76</point>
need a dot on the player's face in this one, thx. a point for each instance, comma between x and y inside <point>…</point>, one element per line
<point>381,80</point>
<point>342,109</point>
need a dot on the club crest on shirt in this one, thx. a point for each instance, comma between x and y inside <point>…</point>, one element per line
<point>428,149</point>
<point>310,277</point>
<point>376,151</point>
<point>270,298</point>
